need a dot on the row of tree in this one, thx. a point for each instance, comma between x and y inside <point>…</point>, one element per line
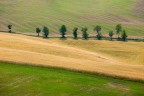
<point>85,34</point>
<point>84,30</point>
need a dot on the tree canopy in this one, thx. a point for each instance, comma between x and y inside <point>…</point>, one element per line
<point>63,30</point>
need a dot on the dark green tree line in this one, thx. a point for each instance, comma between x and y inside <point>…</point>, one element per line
<point>85,33</point>
<point>46,31</point>
<point>63,31</point>
<point>10,28</point>
<point>111,34</point>
<point>75,34</point>
<point>118,30</point>
<point>124,35</point>
<point>38,30</point>
<point>98,30</point>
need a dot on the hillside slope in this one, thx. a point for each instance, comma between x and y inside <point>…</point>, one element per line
<point>22,80</point>
<point>27,15</point>
<point>123,59</point>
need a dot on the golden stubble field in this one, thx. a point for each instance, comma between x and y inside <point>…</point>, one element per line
<point>124,59</point>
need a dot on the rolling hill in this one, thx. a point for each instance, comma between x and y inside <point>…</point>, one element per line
<point>26,15</point>
<point>36,66</point>
<point>121,59</point>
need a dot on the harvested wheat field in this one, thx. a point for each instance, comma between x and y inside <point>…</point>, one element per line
<point>124,59</point>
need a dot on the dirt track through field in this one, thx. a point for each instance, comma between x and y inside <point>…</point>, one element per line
<point>52,52</point>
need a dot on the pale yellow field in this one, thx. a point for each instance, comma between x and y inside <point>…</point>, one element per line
<point>125,59</point>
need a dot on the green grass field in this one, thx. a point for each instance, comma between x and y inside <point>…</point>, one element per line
<point>27,15</point>
<point>22,80</point>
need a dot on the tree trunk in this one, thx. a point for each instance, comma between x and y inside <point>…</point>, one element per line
<point>111,38</point>
<point>38,34</point>
<point>10,31</point>
<point>118,36</point>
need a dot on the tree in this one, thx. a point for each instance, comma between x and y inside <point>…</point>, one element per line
<point>111,34</point>
<point>84,33</point>
<point>118,30</point>
<point>99,36</point>
<point>124,35</point>
<point>98,29</point>
<point>10,27</point>
<point>75,32</point>
<point>63,30</point>
<point>38,30</point>
<point>46,31</point>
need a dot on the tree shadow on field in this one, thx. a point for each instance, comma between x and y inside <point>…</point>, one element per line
<point>63,38</point>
